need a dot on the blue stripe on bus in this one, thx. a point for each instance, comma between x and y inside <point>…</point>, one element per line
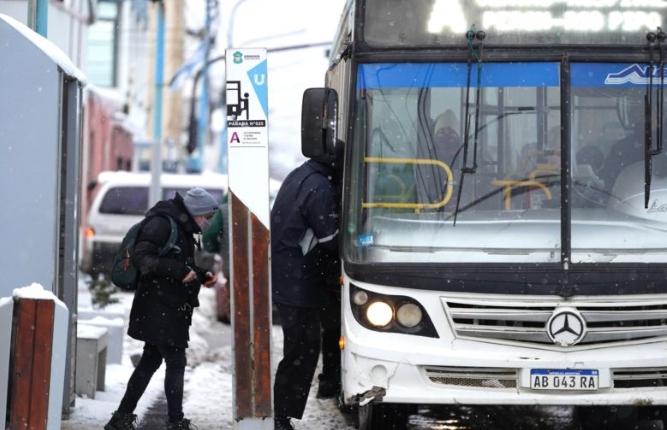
<point>562,372</point>
<point>613,74</point>
<point>421,75</point>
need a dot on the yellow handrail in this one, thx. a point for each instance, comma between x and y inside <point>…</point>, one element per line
<point>510,183</point>
<point>445,167</point>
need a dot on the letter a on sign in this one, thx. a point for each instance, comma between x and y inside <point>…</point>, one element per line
<point>235,138</point>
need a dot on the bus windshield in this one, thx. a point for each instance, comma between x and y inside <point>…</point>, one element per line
<point>437,177</point>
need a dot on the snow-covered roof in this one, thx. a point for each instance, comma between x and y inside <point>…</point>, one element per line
<point>48,48</point>
<point>106,93</point>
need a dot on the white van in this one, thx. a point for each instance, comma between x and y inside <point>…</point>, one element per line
<point>122,201</point>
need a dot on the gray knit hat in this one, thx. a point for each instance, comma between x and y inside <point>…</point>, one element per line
<point>200,202</point>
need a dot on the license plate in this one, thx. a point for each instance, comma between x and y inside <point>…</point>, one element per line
<point>569,380</point>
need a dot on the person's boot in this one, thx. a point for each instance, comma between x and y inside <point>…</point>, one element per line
<point>327,388</point>
<point>122,421</point>
<point>183,424</point>
<point>282,423</point>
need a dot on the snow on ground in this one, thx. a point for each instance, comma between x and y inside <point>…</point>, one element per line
<point>94,413</point>
<point>208,377</point>
<point>319,414</point>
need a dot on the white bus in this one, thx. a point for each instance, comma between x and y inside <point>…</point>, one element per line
<point>505,202</point>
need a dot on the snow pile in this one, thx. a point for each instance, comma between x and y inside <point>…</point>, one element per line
<point>37,292</point>
<point>202,321</point>
<point>101,321</point>
<point>197,349</point>
<point>4,301</point>
<point>84,331</point>
<point>208,402</point>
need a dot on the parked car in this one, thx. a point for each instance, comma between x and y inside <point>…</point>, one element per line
<point>121,201</point>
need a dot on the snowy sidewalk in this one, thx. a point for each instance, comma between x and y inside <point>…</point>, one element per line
<point>208,380</point>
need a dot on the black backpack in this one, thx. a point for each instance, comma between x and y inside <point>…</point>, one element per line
<point>124,274</point>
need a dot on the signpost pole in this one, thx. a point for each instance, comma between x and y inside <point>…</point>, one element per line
<point>248,169</point>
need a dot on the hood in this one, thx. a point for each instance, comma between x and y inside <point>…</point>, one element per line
<point>175,208</point>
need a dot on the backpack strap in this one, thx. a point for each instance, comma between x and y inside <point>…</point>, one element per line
<point>173,235</point>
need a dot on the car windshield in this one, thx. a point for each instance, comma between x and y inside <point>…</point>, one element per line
<point>439,177</point>
<point>125,201</point>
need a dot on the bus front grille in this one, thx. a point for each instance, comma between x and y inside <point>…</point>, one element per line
<point>474,377</point>
<point>607,320</point>
<point>639,378</point>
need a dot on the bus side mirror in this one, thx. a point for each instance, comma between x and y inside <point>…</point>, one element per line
<point>319,121</point>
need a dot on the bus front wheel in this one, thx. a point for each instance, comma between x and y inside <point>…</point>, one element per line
<point>383,416</point>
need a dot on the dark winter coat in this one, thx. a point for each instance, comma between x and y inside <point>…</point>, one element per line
<point>162,308</point>
<point>304,235</point>
<point>216,238</point>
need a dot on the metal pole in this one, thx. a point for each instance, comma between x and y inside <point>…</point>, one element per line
<point>202,125</point>
<point>155,191</point>
<point>41,23</point>
<point>222,166</point>
<point>38,16</point>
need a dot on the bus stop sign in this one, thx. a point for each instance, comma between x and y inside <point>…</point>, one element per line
<point>247,141</point>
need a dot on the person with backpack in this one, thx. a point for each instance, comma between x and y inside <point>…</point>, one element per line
<point>161,315</point>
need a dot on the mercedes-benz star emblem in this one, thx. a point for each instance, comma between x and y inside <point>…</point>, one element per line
<point>566,327</point>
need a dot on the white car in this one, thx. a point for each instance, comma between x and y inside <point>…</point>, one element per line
<point>122,201</point>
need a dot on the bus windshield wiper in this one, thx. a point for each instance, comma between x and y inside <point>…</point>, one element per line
<point>662,47</point>
<point>470,36</point>
<point>649,152</point>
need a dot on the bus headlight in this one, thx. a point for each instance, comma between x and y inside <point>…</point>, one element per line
<point>379,314</point>
<point>390,313</point>
<point>409,315</point>
<point>360,298</point>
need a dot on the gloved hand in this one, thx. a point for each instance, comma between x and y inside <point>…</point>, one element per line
<point>210,280</point>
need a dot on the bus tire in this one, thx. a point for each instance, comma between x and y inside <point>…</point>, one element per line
<point>383,416</point>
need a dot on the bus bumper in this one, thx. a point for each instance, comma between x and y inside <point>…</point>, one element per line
<point>370,374</point>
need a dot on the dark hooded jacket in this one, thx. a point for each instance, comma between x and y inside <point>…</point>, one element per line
<point>162,308</point>
<point>304,235</point>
